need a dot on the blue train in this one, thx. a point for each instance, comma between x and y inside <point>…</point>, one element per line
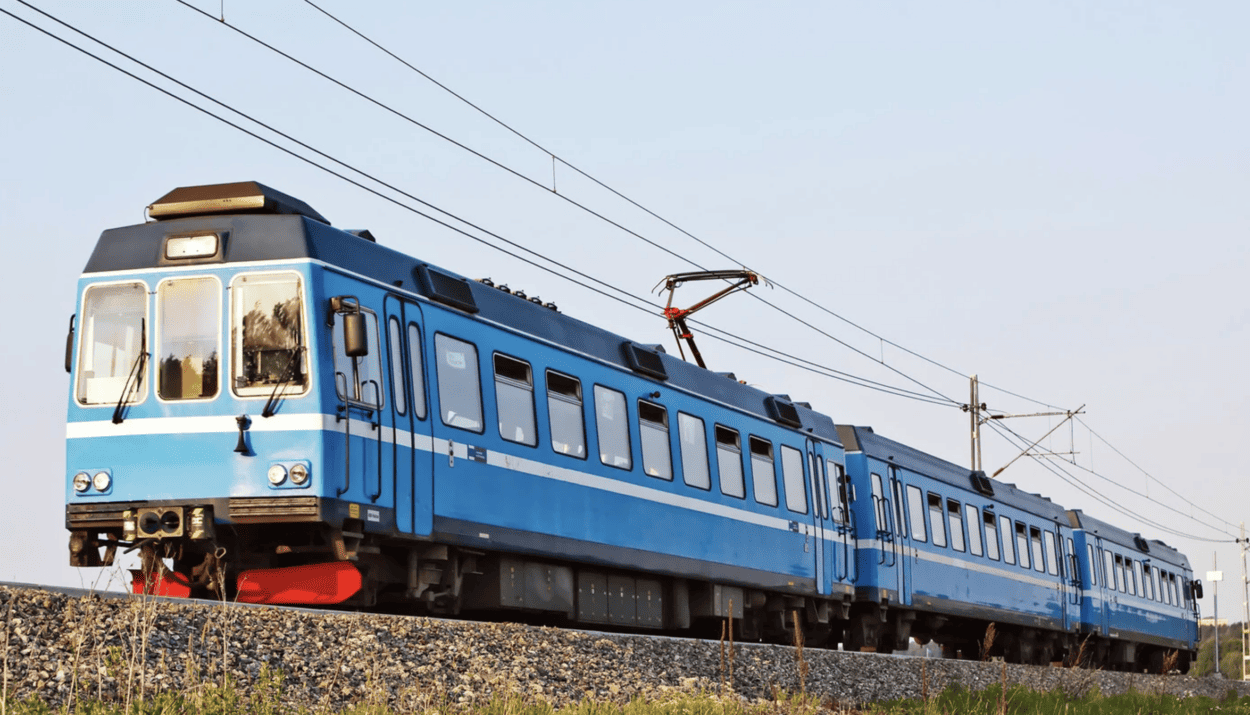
<point>273,410</point>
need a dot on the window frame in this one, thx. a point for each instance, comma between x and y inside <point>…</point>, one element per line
<point>990,523</point>
<point>789,481</point>
<point>1006,524</point>
<point>645,423</point>
<point>972,522</point>
<point>629,443</point>
<point>84,334</point>
<point>954,513</point>
<point>158,336</point>
<point>236,352</point>
<point>477,377</point>
<point>416,367</point>
<point>771,458</point>
<point>395,365</point>
<point>579,399</point>
<point>915,512</point>
<point>373,338</point>
<point>517,384</point>
<point>934,503</point>
<point>734,448</point>
<point>684,418</point>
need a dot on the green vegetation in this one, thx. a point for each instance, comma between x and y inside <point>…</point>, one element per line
<point>995,700</point>
<point>1230,652</point>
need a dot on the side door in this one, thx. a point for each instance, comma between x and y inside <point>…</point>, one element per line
<point>905,554</point>
<point>1106,587</point>
<point>1070,573</point>
<point>407,466</point>
<point>358,385</point>
<point>820,517</point>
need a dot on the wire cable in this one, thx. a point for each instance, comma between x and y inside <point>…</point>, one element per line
<point>653,214</point>
<point>732,339</point>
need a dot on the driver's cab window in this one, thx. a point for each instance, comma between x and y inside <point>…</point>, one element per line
<point>267,334</point>
<point>113,343</point>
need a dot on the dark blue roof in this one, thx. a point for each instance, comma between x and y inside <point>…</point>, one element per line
<point>265,237</point>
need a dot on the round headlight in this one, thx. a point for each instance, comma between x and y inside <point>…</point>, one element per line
<point>82,480</point>
<point>277,474</point>
<point>299,474</point>
<point>102,481</point>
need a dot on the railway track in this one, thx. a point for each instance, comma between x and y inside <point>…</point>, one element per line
<point>61,644</point>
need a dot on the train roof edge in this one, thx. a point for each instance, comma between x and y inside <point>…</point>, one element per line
<point>291,229</point>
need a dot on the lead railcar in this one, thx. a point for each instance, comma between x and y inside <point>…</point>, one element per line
<point>275,410</point>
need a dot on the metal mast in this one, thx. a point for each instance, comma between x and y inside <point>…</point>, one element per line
<point>1245,606</point>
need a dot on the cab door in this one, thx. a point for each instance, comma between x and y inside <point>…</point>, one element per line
<point>904,555</point>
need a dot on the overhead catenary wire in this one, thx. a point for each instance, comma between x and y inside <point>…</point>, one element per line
<point>556,157</point>
<point>639,303</point>
<point>1056,467</point>
<point>518,174</point>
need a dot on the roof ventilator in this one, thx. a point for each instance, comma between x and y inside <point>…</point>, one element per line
<point>982,483</point>
<point>645,359</point>
<point>783,410</point>
<point>447,289</point>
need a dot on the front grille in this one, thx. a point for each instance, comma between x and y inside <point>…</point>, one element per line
<point>259,507</point>
<point>85,516</point>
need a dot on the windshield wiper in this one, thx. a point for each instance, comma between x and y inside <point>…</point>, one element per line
<point>136,375</point>
<point>271,405</point>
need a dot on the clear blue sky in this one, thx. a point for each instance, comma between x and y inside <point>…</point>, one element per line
<point>1054,197</point>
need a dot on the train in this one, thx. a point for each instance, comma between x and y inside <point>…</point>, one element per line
<point>273,410</point>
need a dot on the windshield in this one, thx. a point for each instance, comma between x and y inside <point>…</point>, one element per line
<point>189,337</point>
<point>267,333</point>
<point>112,340</point>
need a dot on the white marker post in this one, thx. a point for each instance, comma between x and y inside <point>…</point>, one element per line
<point>1215,577</point>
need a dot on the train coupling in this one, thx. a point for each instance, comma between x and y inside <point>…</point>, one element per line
<point>168,522</point>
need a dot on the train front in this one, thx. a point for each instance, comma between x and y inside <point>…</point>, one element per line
<point>194,424</point>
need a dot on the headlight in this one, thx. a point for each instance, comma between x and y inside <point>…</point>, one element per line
<point>299,474</point>
<point>81,481</point>
<point>102,481</point>
<point>277,474</point>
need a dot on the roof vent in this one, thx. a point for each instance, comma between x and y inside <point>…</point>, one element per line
<point>447,289</point>
<point>783,410</point>
<point>363,233</point>
<point>982,483</point>
<point>242,197</point>
<point>1141,544</point>
<point>645,359</point>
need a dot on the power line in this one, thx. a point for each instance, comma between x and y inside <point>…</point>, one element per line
<point>636,204</point>
<point>1055,467</point>
<point>583,207</point>
<point>732,338</point>
<point>1151,476</point>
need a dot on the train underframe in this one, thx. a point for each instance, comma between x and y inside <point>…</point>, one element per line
<point>344,566</point>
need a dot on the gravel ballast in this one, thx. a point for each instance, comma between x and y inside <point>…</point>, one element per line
<point>60,648</point>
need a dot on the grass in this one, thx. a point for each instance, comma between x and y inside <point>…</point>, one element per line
<point>955,700</point>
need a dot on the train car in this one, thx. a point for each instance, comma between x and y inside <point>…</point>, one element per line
<point>1139,598</point>
<point>944,552</point>
<point>274,410</point>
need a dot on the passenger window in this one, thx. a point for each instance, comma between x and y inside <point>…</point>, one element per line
<point>1108,577</point>
<point>956,519</point>
<point>357,380</point>
<point>974,529</point>
<point>729,462</point>
<point>1035,539</point>
<point>991,535</point>
<point>267,335</point>
<point>514,400</point>
<point>564,415</point>
<point>936,520</point>
<point>1176,596</point>
<point>188,312</point>
<point>915,513</point>
<point>763,473</point>
<point>693,451</point>
<point>900,526</point>
<point>878,502</point>
<point>1074,573</point>
<point>1022,545</point>
<point>792,477</point>
<point>1093,565</point>
<point>1121,583</point>
<point>1135,577</point>
<point>1147,583</point>
<point>818,488</point>
<point>613,426</point>
<point>459,388</point>
<point>1052,554</point>
<point>1009,545</point>
<point>416,371</point>
<point>398,393</point>
<point>114,339</point>
<point>657,458</point>
<point>1159,586</point>
<point>837,485</point>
